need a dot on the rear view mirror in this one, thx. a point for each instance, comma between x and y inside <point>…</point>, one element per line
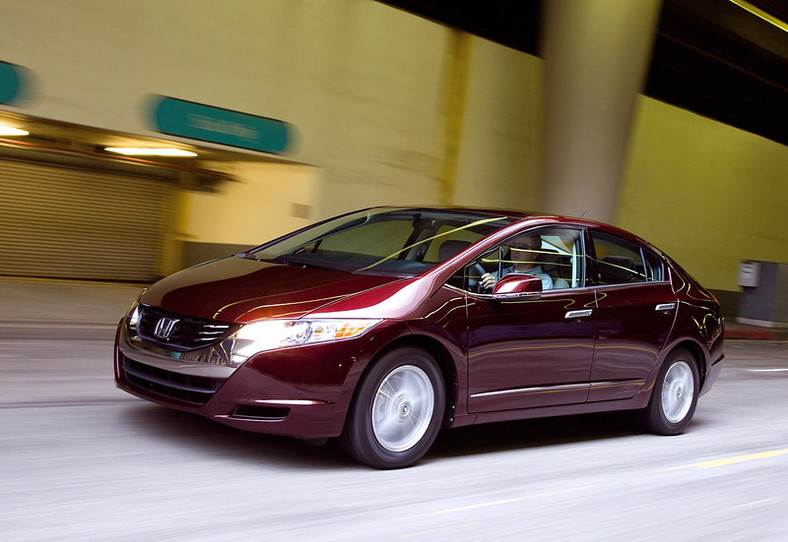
<point>515,285</point>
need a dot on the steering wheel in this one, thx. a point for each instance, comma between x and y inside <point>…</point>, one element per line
<point>476,284</point>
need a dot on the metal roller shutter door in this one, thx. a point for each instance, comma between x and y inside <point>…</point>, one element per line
<point>84,224</point>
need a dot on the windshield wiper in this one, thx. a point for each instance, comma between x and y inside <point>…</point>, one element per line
<point>283,259</point>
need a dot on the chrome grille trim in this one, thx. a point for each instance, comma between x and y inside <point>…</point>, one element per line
<point>536,389</point>
<point>188,333</point>
<point>563,387</point>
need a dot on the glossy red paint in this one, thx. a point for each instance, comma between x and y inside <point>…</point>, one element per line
<point>239,290</point>
<point>323,373</point>
<point>518,284</point>
<point>521,352</point>
<point>593,347</point>
<point>630,337</point>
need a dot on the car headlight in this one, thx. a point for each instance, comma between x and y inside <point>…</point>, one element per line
<point>272,334</point>
<point>133,314</point>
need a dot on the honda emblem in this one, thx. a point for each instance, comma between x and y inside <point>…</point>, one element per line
<point>164,327</point>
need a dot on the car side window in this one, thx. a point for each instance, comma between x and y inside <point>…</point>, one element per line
<point>655,271</point>
<point>458,279</point>
<point>553,254</point>
<point>617,261</point>
<point>561,257</point>
<point>473,273</point>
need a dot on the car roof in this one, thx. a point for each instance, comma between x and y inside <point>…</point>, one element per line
<point>519,216</point>
<point>507,213</point>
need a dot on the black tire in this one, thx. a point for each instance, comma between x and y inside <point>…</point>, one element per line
<point>383,428</point>
<point>669,410</point>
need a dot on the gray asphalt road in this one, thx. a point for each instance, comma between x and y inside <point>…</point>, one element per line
<point>81,460</point>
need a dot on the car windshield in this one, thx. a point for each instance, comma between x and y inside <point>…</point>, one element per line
<point>393,241</point>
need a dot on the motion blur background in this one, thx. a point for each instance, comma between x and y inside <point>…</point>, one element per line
<point>665,118</point>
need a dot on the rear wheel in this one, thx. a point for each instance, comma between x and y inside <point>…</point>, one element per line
<point>675,395</point>
<point>397,412</point>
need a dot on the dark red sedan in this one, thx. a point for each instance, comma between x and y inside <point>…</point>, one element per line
<point>383,326</point>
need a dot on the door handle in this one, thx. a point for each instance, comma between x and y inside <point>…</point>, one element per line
<point>665,306</point>
<point>578,314</point>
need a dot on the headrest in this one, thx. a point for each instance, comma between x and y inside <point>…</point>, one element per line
<point>616,269</point>
<point>451,248</point>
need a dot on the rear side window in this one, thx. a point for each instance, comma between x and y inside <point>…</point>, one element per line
<point>617,261</point>
<point>655,271</point>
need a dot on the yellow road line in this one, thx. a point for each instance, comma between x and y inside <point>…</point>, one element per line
<point>729,460</point>
<point>507,501</point>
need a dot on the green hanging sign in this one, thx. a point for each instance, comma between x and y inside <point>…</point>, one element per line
<point>207,123</point>
<point>12,83</point>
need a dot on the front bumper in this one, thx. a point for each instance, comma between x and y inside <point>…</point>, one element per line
<point>301,392</point>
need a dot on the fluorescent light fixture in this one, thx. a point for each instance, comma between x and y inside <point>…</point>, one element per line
<point>761,14</point>
<point>132,151</point>
<point>9,131</point>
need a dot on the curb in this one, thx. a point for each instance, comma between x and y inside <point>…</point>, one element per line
<point>756,334</point>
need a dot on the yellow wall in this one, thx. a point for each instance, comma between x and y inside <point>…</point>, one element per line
<point>264,201</point>
<point>370,91</point>
<point>500,146</point>
<point>360,81</point>
<point>708,194</point>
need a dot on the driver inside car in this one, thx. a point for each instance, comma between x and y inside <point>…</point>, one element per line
<point>524,252</point>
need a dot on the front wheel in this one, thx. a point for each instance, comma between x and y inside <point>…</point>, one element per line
<point>397,412</point>
<point>675,395</point>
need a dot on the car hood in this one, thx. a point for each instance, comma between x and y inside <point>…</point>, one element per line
<point>243,290</point>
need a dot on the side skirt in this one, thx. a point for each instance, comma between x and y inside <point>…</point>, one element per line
<point>637,402</point>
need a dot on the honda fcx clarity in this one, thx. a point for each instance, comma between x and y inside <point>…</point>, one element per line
<point>385,325</point>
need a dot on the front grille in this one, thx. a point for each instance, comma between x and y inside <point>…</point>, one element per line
<point>194,390</point>
<point>183,332</point>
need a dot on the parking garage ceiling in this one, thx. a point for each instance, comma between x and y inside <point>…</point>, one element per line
<point>724,59</point>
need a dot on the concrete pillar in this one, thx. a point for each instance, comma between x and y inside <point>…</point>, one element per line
<point>596,56</point>
<point>455,90</point>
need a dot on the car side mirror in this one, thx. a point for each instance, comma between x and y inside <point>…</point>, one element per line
<point>516,285</point>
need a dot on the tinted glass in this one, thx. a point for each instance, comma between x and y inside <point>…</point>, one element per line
<point>654,268</point>
<point>555,255</point>
<point>401,242</point>
<point>617,261</point>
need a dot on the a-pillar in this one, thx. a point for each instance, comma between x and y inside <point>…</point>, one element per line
<point>596,56</point>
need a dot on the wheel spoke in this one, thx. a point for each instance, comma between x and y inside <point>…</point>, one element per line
<point>413,419</point>
<point>387,383</point>
<point>384,395</point>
